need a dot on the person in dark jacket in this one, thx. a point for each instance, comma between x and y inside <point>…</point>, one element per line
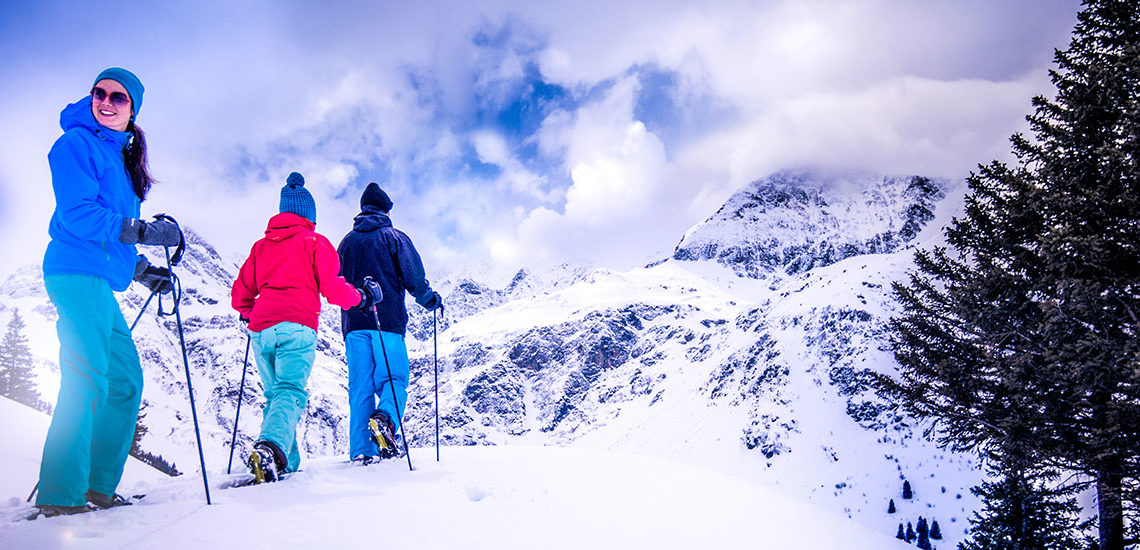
<point>99,176</point>
<point>376,249</point>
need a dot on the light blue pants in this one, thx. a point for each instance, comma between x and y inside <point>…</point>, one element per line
<point>368,381</point>
<point>285,353</point>
<point>100,388</point>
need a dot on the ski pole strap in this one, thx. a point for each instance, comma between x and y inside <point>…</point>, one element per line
<point>176,295</point>
<point>181,248</point>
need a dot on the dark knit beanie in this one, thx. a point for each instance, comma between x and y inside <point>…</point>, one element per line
<point>375,196</point>
<point>296,199</point>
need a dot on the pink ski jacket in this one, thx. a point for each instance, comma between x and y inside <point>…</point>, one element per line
<point>286,273</point>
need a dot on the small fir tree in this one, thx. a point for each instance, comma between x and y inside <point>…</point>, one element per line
<point>935,531</point>
<point>901,534</point>
<point>923,532</point>
<point>910,535</point>
<point>1020,511</point>
<point>140,431</point>
<point>907,493</point>
<point>891,507</point>
<point>16,364</point>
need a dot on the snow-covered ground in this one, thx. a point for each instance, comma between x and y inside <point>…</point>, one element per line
<point>474,497</point>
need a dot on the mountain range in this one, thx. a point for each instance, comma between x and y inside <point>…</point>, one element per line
<point>748,351</point>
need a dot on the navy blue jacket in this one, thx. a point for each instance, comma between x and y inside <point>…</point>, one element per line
<point>375,248</point>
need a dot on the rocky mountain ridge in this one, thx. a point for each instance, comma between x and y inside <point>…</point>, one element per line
<point>748,350</point>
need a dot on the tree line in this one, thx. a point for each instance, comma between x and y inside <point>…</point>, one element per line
<point>1018,339</point>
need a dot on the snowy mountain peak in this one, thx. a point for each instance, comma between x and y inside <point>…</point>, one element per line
<point>791,222</point>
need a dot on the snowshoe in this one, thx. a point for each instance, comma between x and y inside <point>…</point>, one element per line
<point>52,510</point>
<point>99,501</point>
<point>383,433</point>
<point>262,464</point>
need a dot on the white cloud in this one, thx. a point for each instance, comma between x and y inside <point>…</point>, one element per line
<point>619,207</point>
<point>240,95</point>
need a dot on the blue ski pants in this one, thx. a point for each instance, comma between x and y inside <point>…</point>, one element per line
<point>100,389</point>
<point>370,387</point>
<point>285,353</point>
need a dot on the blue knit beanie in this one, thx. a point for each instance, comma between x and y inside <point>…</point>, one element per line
<point>296,199</point>
<point>129,81</point>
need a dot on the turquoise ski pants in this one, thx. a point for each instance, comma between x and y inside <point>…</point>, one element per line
<point>368,382</point>
<point>285,353</point>
<point>100,388</point>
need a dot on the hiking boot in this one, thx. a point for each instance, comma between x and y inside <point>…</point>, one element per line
<point>364,460</point>
<point>53,510</point>
<point>262,463</point>
<point>383,433</point>
<point>99,501</point>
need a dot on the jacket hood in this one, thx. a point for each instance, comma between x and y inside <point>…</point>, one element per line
<point>371,219</point>
<point>285,225</point>
<point>78,115</point>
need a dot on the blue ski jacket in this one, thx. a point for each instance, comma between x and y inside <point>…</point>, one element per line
<point>375,248</point>
<point>93,194</point>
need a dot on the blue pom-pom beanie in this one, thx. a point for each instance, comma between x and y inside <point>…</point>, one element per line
<point>296,199</point>
<point>129,81</point>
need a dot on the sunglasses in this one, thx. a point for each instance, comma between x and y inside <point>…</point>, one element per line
<point>118,99</point>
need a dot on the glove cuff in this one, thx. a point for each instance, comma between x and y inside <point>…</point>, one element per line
<point>140,266</point>
<point>131,231</point>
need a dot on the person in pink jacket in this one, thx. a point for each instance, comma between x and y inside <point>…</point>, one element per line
<point>278,292</point>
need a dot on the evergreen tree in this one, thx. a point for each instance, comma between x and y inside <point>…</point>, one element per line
<point>923,534</point>
<point>901,535</point>
<point>891,507</point>
<point>1020,512</point>
<point>907,493</point>
<point>140,431</point>
<point>910,536</point>
<point>1022,335</point>
<point>16,371</point>
<point>935,531</point>
<point>923,542</point>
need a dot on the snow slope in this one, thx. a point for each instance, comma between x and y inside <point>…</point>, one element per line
<point>476,497</point>
<point>22,431</point>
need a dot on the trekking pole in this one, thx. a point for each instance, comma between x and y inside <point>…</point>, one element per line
<point>34,489</point>
<point>170,263</point>
<point>143,310</point>
<point>241,393</point>
<point>435,351</point>
<point>392,385</point>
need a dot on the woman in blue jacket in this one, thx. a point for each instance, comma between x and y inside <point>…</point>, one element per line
<point>99,177</point>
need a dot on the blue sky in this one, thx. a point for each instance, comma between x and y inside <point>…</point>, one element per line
<point>518,133</point>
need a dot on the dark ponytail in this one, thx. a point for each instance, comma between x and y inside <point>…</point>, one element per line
<point>134,158</point>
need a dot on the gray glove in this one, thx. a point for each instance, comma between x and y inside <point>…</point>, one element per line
<point>155,279</point>
<point>158,232</point>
